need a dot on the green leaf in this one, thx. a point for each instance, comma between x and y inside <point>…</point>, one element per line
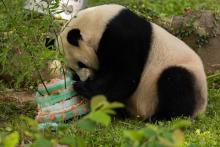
<point>113,105</point>
<point>167,134</point>
<point>42,142</point>
<point>133,135</point>
<point>100,117</point>
<point>72,141</point>
<point>86,124</point>
<point>97,102</point>
<point>109,111</point>
<point>80,142</point>
<point>11,140</point>
<point>148,132</point>
<point>29,121</point>
<point>165,142</point>
<point>178,137</point>
<point>8,129</point>
<point>68,140</point>
<point>178,124</point>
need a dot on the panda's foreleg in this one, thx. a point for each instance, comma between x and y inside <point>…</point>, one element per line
<point>176,93</point>
<point>122,88</point>
<point>114,86</point>
<point>92,87</point>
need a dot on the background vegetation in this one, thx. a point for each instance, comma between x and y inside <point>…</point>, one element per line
<point>22,54</point>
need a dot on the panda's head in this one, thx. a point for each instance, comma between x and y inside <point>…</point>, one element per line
<point>80,38</point>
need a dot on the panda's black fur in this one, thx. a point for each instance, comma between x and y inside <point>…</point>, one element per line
<point>123,53</point>
<point>128,60</point>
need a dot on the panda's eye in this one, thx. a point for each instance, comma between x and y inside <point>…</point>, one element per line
<point>81,65</point>
<point>74,36</point>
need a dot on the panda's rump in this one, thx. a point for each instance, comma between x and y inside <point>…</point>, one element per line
<point>177,90</point>
<point>173,80</point>
<point>176,93</point>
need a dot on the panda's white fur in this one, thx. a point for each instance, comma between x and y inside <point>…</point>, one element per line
<point>166,50</point>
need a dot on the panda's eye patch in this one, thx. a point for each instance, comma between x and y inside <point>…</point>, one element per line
<point>81,65</point>
<point>74,36</point>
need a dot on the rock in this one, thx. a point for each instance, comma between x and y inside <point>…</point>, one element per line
<point>205,25</point>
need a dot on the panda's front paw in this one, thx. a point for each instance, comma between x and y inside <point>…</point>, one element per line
<point>82,89</point>
<point>77,84</point>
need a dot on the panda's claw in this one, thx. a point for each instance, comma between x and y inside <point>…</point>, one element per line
<point>76,84</point>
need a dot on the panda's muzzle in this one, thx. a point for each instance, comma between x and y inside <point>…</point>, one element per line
<point>83,72</point>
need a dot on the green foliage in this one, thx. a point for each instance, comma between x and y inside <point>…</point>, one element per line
<point>203,131</point>
<point>11,140</point>
<point>152,135</point>
<point>11,108</point>
<point>205,138</point>
<point>190,28</point>
<point>72,141</point>
<point>27,130</point>
<point>100,113</point>
<point>101,110</point>
<point>214,80</point>
<point>42,142</point>
<point>22,49</point>
<point>185,29</point>
<point>164,8</point>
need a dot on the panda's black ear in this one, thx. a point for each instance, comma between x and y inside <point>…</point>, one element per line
<point>74,36</point>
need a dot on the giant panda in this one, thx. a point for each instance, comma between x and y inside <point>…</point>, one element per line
<point>120,55</point>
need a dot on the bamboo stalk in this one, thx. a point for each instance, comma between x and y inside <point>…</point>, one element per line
<point>42,81</point>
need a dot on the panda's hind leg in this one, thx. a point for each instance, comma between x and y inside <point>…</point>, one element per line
<point>176,93</point>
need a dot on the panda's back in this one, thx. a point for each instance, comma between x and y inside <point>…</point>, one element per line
<point>167,49</point>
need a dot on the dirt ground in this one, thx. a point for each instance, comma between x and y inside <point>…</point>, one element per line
<point>20,96</point>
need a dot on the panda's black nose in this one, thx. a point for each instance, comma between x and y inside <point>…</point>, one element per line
<point>81,65</point>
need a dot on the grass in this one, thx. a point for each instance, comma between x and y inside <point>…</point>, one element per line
<point>10,109</point>
<point>204,131</point>
<point>166,7</point>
